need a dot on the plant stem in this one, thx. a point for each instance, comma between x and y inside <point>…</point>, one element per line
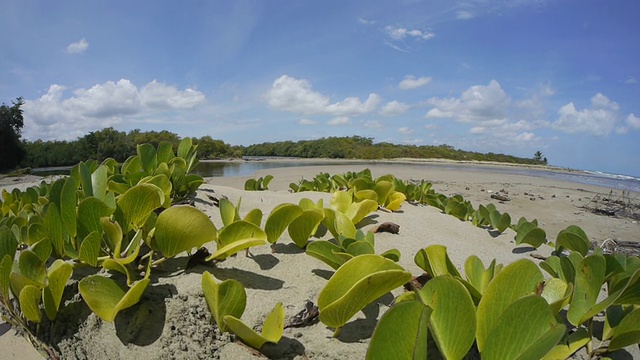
<point>337,332</point>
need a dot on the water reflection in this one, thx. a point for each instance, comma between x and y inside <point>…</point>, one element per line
<point>243,168</point>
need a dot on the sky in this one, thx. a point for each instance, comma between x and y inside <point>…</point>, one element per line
<point>514,77</point>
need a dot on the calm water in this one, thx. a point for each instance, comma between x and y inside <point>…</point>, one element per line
<point>246,168</point>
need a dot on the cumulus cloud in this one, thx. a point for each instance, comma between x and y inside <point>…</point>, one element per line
<point>340,121</point>
<point>78,47</point>
<point>633,121</point>
<point>307,122</point>
<point>599,119</point>
<point>297,95</point>
<point>411,82</point>
<point>400,33</point>
<point>478,103</point>
<point>394,108</point>
<point>54,116</point>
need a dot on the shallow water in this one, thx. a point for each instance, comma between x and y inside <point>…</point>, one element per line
<point>246,168</point>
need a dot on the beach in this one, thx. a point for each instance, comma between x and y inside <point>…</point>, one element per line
<point>173,321</point>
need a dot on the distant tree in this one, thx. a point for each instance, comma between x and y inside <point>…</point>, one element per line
<point>11,122</point>
<point>538,156</point>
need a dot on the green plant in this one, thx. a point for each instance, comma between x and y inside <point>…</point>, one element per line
<point>356,284</point>
<point>259,184</point>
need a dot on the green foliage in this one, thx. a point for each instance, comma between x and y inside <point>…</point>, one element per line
<point>11,123</point>
<point>106,298</point>
<point>225,298</point>
<point>271,330</point>
<point>573,238</point>
<point>356,284</point>
<point>259,184</point>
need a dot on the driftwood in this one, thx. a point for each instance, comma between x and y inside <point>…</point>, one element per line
<point>499,197</point>
<point>389,227</point>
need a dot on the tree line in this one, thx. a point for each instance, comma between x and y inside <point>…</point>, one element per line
<point>110,143</point>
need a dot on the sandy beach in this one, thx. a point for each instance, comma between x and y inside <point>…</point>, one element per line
<point>176,323</point>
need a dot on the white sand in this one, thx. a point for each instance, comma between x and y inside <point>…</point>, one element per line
<point>181,327</point>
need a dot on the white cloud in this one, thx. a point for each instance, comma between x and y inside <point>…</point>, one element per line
<point>410,82</point>
<point>431,126</point>
<point>364,21</point>
<point>307,122</point>
<point>599,119</point>
<point>394,108</point>
<point>340,121</point>
<point>405,130</point>
<point>464,15</point>
<point>631,80</point>
<point>78,47</point>
<point>52,116</point>
<point>478,103</point>
<point>633,121</point>
<point>296,95</point>
<point>163,96</point>
<point>416,141</point>
<point>477,130</point>
<point>399,33</point>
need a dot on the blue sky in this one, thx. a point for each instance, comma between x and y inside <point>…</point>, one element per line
<point>499,76</point>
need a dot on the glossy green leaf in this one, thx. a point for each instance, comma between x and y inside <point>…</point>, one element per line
<point>453,319</point>
<point>395,200</point>
<point>570,345</point>
<point>90,210</point>
<point>573,238</point>
<point>68,206</point>
<point>558,293</point>
<point>254,216</point>
<point>627,332</point>
<point>513,282</point>
<point>279,219</point>
<point>184,147</point>
<point>358,211</point>
<point>529,233</point>
<point>8,243</point>
<point>401,333</point>
<point>106,298</point>
<point>6,263</point>
<point>119,266</point>
<point>181,228</point>
<point>271,330</point>
<point>137,204</point>
<point>53,223</point>
<point>383,189</point>
<point>356,284</point>
<point>30,303</point>
<point>527,329</point>
<point>228,212</point>
<point>99,182</point>
<point>367,194</point>
<point>148,157</point>
<point>613,316</point>
<point>391,254</point>
<point>225,298</point>
<point>304,226</point>
<point>499,221</point>
<point>90,248</point>
<point>435,261</point>
<point>325,251</point>
<point>479,277</point>
<point>114,234</point>
<point>165,152</point>
<point>36,232</point>
<point>29,270</point>
<point>590,275</point>
<point>58,274</point>
<point>338,224</point>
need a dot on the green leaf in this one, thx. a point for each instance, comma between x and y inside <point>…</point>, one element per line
<point>90,210</point>
<point>613,316</point>
<point>53,223</point>
<point>181,228</point>
<point>391,254</point>
<point>360,248</point>
<point>435,261</point>
<point>338,224</point>
<point>228,212</point>
<point>358,211</point>
<point>8,243</point>
<point>325,251</point>
<point>570,345</point>
<point>557,292</point>
<point>184,147</point>
<point>527,329</point>
<point>30,270</point>
<point>499,221</point>
<point>515,281</point>
<point>6,262</point>
<point>137,204</point>
<point>305,225</point>
<point>254,216</point>
<point>90,248</point>
<point>148,157</point>
<point>590,275</point>
<point>279,219</point>
<point>479,277</point>
<point>383,189</point>
<point>271,331</point>
<point>529,233</point>
<point>99,182</point>
<point>395,200</point>
<point>627,332</point>
<point>573,238</point>
<point>114,234</point>
<point>68,206</point>
<point>238,236</point>
<point>356,284</point>
<point>165,152</point>
<point>401,333</point>
<point>30,303</point>
<point>225,298</point>
<point>453,319</point>
<point>58,274</point>
<point>367,194</point>
<point>106,298</point>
